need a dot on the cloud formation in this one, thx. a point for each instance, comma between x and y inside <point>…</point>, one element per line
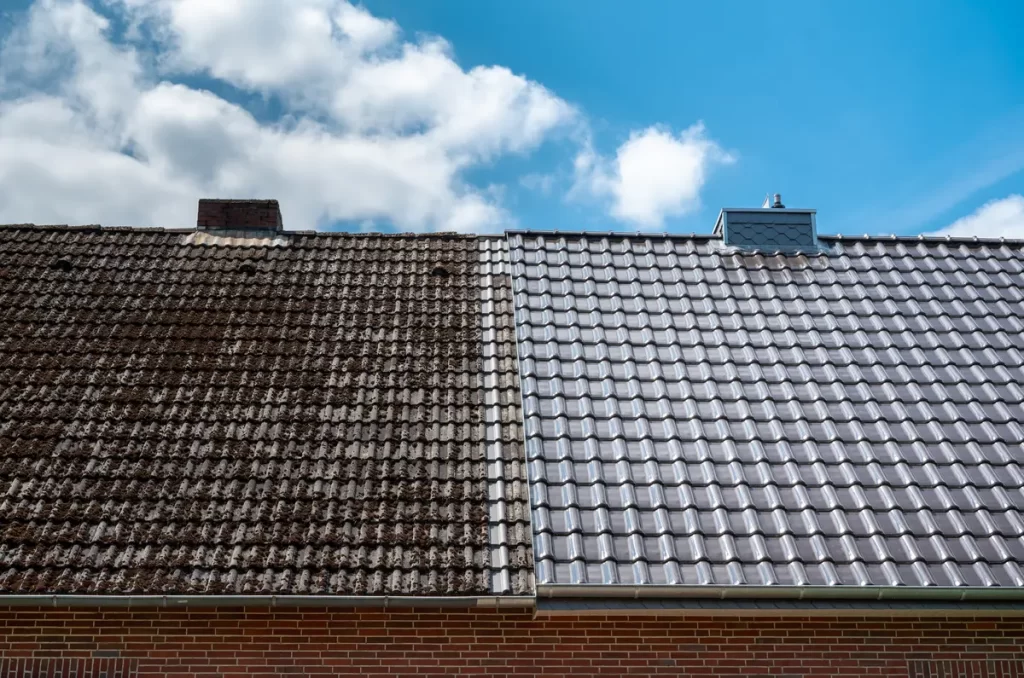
<point>653,175</point>
<point>102,120</point>
<point>375,128</point>
<point>996,219</point>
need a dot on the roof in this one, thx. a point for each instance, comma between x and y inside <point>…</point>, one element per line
<point>308,414</point>
<point>326,414</point>
<point>700,417</point>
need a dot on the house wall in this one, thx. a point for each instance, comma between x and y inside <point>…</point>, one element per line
<point>420,642</point>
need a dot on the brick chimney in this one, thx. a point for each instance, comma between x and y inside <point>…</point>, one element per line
<point>239,215</point>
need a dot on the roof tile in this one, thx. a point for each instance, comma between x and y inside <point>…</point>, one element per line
<point>702,417</point>
<point>319,414</point>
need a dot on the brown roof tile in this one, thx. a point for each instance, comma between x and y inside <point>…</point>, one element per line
<point>328,415</point>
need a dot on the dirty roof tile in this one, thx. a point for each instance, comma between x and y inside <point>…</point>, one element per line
<point>324,414</point>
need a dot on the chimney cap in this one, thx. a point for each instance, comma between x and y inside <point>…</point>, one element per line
<point>772,201</point>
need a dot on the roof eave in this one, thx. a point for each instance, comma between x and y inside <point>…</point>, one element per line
<point>177,601</point>
<point>876,593</point>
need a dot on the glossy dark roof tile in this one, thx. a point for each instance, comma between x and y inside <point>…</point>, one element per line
<point>698,416</point>
<point>308,414</point>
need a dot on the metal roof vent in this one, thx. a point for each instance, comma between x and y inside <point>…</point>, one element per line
<point>772,228</point>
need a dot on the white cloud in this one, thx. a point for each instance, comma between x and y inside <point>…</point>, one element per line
<point>996,219</point>
<point>375,129</point>
<point>54,169</point>
<point>654,174</point>
<point>338,62</point>
<point>365,31</point>
<point>257,44</point>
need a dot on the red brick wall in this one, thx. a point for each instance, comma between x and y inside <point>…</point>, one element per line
<point>194,642</point>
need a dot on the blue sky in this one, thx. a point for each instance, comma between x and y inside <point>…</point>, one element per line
<point>532,114</point>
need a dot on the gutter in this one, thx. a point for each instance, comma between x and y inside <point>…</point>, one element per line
<point>285,601</point>
<point>821,593</point>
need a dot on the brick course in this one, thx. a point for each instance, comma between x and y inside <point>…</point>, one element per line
<point>445,642</point>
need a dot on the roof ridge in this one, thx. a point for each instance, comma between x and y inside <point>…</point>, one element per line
<point>970,240</point>
<point>162,229</point>
<point>710,236</point>
<point>86,228</point>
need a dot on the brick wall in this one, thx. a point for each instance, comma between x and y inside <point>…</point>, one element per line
<point>194,642</point>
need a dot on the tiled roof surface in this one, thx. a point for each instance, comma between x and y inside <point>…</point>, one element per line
<point>312,414</point>
<point>699,417</point>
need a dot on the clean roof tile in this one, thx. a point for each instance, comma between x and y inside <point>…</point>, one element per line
<point>699,416</point>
